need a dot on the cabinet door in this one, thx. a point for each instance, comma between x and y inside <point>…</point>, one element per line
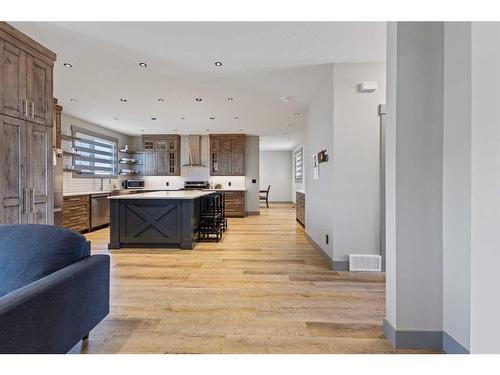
<point>162,163</point>
<point>161,144</point>
<point>214,144</point>
<point>238,163</point>
<point>173,163</point>
<point>214,163</point>
<point>225,144</point>
<point>13,204</point>
<point>148,145</point>
<point>39,91</point>
<point>148,163</point>
<point>238,144</point>
<point>12,81</point>
<point>39,174</point>
<point>225,163</point>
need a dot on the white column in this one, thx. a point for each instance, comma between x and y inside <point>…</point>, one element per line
<point>414,175</point>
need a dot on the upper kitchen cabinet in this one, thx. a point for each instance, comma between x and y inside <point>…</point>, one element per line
<point>25,77</point>
<point>227,155</point>
<point>161,155</point>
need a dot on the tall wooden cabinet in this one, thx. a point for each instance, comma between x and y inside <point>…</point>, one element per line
<point>161,155</point>
<point>26,179</point>
<point>227,155</point>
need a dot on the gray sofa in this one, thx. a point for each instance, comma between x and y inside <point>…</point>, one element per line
<point>52,292</point>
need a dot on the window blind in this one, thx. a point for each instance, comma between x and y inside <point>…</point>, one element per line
<point>95,154</point>
<point>299,165</point>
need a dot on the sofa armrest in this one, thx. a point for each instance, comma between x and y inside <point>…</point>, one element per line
<point>52,314</point>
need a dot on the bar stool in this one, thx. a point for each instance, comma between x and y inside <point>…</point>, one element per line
<point>211,217</point>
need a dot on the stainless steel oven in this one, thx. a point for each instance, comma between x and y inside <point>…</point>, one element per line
<point>133,184</point>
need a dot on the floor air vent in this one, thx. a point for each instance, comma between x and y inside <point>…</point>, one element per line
<point>365,263</point>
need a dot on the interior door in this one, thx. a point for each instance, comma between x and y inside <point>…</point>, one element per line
<point>39,91</point>
<point>13,204</point>
<point>39,174</point>
<point>12,81</point>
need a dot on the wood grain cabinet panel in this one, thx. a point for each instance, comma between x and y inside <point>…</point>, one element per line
<point>12,172</point>
<point>12,80</point>
<point>26,104</point>
<point>235,203</point>
<point>76,213</point>
<point>162,155</point>
<point>227,155</point>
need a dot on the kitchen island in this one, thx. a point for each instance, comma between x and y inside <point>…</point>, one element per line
<point>157,219</point>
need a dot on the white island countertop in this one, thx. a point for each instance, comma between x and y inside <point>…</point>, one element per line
<point>172,194</point>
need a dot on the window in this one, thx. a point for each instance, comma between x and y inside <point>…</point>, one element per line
<point>95,154</point>
<point>299,165</point>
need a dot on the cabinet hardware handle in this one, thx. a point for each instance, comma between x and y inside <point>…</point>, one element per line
<point>24,200</point>
<point>32,193</point>
<point>25,105</point>
<point>32,110</point>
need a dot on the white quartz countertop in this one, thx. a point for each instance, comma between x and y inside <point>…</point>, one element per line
<point>87,193</point>
<point>181,194</point>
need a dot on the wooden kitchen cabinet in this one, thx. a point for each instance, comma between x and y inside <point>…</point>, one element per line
<point>76,213</point>
<point>26,162</point>
<point>227,155</point>
<point>161,155</point>
<point>235,203</point>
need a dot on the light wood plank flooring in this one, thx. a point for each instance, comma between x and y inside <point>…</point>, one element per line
<point>263,289</point>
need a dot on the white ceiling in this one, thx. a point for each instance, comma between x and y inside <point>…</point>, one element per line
<point>262,61</point>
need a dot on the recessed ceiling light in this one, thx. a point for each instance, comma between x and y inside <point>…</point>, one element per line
<point>285,133</point>
<point>285,98</point>
<point>208,130</point>
<point>161,99</point>
<point>297,113</point>
<point>68,65</point>
<point>236,118</point>
<point>143,65</point>
<point>230,99</point>
<point>183,118</point>
<point>218,63</point>
<point>116,118</point>
<point>72,100</point>
<point>241,130</point>
<point>198,99</point>
<point>290,124</point>
<point>123,100</point>
<point>288,139</point>
<point>153,118</point>
<point>212,118</point>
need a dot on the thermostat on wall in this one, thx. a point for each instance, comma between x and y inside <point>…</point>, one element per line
<point>368,86</point>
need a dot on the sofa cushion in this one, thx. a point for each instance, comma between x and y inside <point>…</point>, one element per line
<point>29,252</point>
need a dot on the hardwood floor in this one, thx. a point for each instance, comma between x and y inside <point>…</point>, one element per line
<point>263,289</point>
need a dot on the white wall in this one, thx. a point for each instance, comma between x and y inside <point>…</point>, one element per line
<point>318,135</point>
<point>485,189</point>
<point>415,105</point>
<point>356,160</point>
<point>457,181</point>
<point>275,171</point>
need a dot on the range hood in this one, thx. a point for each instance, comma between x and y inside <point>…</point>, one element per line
<point>194,151</point>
